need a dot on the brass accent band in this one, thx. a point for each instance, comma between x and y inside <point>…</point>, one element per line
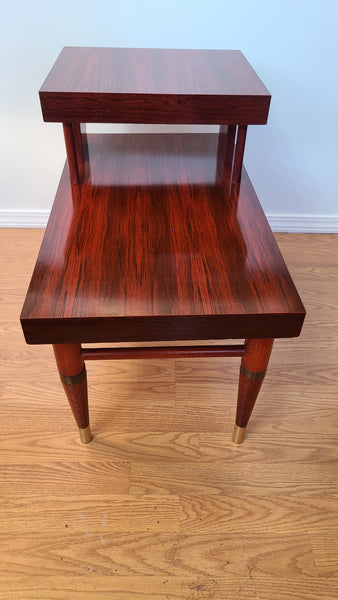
<point>85,435</point>
<point>73,379</point>
<point>251,374</point>
<point>238,434</point>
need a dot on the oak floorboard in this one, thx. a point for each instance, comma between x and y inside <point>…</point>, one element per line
<point>325,550</point>
<point>254,515</point>
<point>99,513</point>
<point>155,446</point>
<point>201,369</point>
<point>163,446</point>
<point>75,477</point>
<point>249,587</point>
<point>241,523</point>
<point>231,479</point>
<point>311,422</point>
<point>166,554</point>
<point>313,245</point>
<point>270,448</point>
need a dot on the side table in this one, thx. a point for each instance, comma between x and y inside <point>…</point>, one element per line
<point>157,237</point>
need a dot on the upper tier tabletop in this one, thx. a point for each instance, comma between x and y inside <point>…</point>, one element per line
<point>129,85</point>
<point>151,247</point>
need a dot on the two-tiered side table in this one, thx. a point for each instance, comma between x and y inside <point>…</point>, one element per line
<point>157,237</point>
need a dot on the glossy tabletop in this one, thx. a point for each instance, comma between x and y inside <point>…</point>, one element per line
<point>151,246</point>
<point>153,86</point>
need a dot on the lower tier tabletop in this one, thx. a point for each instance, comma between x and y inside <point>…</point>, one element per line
<point>152,246</point>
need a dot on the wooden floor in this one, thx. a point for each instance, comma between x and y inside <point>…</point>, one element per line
<point>161,505</point>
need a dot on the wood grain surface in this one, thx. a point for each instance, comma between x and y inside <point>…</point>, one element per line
<point>161,505</point>
<point>153,248</point>
<point>153,86</point>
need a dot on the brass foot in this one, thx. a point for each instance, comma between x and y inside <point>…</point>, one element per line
<point>238,434</point>
<point>85,435</point>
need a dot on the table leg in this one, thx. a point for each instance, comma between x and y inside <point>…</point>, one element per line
<point>252,371</point>
<point>72,372</point>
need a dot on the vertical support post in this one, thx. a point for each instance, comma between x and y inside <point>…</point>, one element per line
<point>71,153</point>
<point>80,141</point>
<point>72,373</point>
<point>239,153</point>
<point>252,372</point>
<point>225,153</point>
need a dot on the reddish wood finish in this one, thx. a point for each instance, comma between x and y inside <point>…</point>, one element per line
<point>80,141</point>
<point>225,154</point>
<point>160,241</point>
<point>153,86</point>
<point>239,153</point>
<point>68,358</point>
<point>152,248</point>
<point>255,361</point>
<point>71,153</point>
<point>70,362</point>
<point>162,352</point>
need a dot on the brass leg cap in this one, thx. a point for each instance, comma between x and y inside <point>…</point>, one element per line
<point>85,435</point>
<point>238,434</point>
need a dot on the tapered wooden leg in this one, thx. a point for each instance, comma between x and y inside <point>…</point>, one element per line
<point>252,371</point>
<point>72,372</point>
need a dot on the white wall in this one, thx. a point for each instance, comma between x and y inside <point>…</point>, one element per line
<point>292,44</point>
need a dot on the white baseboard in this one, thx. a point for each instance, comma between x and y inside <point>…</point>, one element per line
<point>287,223</point>
<point>24,218</point>
<point>304,223</point>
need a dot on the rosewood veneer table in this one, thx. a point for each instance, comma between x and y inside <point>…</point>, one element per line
<point>157,237</point>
